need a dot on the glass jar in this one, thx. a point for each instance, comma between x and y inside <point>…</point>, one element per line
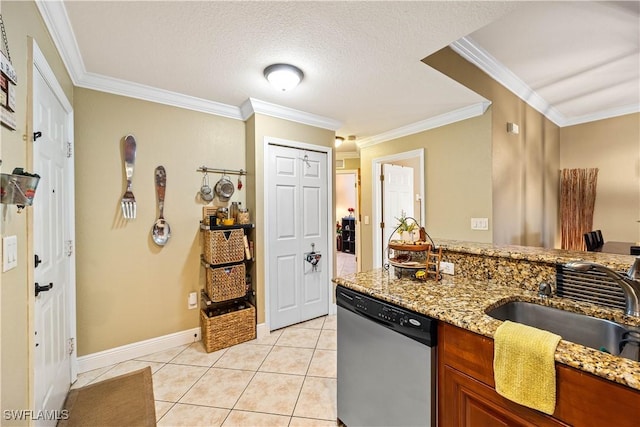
<point>222,213</point>
<point>243,216</point>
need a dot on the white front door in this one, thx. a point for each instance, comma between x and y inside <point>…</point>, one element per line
<point>297,230</point>
<point>397,198</point>
<point>54,311</point>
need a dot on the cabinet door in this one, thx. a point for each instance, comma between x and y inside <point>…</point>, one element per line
<point>465,401</point>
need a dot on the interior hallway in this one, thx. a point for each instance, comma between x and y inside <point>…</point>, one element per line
<point>345,263</point>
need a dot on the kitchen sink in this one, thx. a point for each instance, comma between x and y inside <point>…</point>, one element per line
<point>605,335</point>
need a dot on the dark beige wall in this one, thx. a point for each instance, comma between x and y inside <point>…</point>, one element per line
<point>128,288</point>
<point>457,180</point>
<point>525,166</point>
<point>612,146</point>
<point>22,21</point>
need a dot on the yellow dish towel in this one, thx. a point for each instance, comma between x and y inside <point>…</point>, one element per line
<point>524,366</point>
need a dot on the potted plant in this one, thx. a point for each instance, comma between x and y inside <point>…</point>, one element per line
<point>405,227</point>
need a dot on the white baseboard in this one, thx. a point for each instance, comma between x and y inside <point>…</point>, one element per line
<point>262,330</point>
<point>115,355</point>
<point>123,353</point>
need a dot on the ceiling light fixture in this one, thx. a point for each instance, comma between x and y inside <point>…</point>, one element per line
<point>283,77</point>
<point>339,141</point>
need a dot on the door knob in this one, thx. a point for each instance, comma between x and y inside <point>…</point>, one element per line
<point>43,288</point>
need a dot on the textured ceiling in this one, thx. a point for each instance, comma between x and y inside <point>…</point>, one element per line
<point>362,60</point>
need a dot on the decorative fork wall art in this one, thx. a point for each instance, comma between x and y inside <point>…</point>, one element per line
<point>128,202</point>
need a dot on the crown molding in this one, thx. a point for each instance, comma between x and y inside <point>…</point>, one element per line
<point>256,106</point>
<point>474,53</point>
<point>463,113</point>
<point>160,96</point>
<point>55,18</point>
<point>602,115</point>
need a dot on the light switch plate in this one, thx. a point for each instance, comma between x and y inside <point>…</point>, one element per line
<point>9,253</point>
<point>479,223</point>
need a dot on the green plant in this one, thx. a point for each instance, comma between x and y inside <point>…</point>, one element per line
<point>405,224</point>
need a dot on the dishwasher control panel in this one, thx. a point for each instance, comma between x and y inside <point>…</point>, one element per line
<point>403,321</point>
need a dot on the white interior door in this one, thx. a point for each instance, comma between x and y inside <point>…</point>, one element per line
<point>297,218</point>
<point>397,198</point>
<point>54,311</point>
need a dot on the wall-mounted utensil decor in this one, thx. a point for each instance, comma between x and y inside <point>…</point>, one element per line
<point>128,202</point>
<point>206,192</point>
<point>224,188</point>
<point>161,230</point>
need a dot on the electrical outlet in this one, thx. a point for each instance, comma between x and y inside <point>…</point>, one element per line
<point>192,301</point>
<point>447,268</point>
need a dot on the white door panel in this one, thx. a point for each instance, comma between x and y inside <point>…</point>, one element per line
<point>297,193</point>
<point>51,213</point>
<point>397,198</point>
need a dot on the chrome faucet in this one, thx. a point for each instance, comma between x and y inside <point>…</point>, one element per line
<point>630,282</point>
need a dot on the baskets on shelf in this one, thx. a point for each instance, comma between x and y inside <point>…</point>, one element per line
<point>235,326</point>
<point>225,283</point>
<point>223,246</point>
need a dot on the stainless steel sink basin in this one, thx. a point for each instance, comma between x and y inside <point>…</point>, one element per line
<point>615,338</point>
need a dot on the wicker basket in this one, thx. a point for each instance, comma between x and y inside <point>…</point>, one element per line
<point>223,246</point>
<point>225,283</point>
<point>228,329</point>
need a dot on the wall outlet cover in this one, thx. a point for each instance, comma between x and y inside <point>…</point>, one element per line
<point>447,268</point>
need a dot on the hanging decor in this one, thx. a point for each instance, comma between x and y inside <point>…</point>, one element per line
<point>8,82</point>
<point>577,202</point>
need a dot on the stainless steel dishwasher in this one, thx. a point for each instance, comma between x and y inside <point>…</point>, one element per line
<point>386,363</point>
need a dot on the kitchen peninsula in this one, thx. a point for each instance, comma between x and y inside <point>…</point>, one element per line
<point>593,387</point>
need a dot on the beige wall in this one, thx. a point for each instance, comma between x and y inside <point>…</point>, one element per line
<point>457,180</point>
<point>612,146</point>
<point>258,127</point>
<point>525,166</point>
<point>128,288</point>
<point>22,21</point>
<point>350,164</point>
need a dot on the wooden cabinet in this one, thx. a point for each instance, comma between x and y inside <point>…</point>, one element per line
<point>467,396</point>
<point>349,234</point>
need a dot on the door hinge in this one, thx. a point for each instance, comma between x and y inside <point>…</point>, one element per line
<point>382,225</point>
<point>68,247</point>
<point>69,150</point>
<point>382,177</point>
<point>72,345</point>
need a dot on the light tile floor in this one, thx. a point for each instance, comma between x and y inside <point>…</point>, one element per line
<point>285,379</point>
<point>345,263</point>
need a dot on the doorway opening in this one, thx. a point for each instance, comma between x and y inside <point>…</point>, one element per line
<point>399,199</point>
<point>347,211</point>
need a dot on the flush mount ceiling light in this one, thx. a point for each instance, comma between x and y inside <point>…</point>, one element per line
<point>339,141</point>
<point>283,77</point>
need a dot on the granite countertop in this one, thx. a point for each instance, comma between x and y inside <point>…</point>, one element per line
<point>462,302</point>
